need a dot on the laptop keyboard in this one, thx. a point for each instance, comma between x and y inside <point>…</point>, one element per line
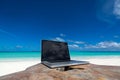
<point>67,63</point>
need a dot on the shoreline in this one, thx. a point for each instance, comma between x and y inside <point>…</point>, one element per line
<point>8,67</point>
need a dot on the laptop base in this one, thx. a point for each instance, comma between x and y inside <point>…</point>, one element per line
<point>64,64</point>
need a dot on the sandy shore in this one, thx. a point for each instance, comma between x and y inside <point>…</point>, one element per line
<point>15,66</point>
<point>109,61</point>
<point>9,67</point>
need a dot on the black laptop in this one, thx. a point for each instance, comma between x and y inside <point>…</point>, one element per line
<point>56,54</point>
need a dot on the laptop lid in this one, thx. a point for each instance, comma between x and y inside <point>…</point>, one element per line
<point>54,51</point>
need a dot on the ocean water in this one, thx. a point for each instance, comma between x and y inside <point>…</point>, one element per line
<point>7,56</point>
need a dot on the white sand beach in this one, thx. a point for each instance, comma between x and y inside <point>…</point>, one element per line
<point>8,67</point>
<point>15,66</point>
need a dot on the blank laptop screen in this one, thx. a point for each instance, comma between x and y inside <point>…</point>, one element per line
<point>54,51</point>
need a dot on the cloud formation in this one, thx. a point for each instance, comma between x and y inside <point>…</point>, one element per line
<point>76,42</point>
<point>74,46</point>
<point>116,10</point>
<point>100,46</point>
<point>58,39</point>
<point>79,42</point>
<point>104,45</point>
<point>108,11</point>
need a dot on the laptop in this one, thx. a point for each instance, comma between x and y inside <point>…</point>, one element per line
<point>55,54</point>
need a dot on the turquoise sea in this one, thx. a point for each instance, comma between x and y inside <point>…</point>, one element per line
<point>37,55</point>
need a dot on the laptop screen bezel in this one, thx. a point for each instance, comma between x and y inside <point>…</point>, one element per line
<point>42,54</point>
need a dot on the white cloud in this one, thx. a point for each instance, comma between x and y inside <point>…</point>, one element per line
<point>79,42</point>
<point>108,11</point>
<point>90,46</point>
<point>62,35</point>
<point>76,42</point>
<point>105,45</point>
<point>74,46</point>
<point>58,39</point>
<point>117,8</point>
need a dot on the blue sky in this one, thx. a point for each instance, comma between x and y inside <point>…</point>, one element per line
<point>87,25</point>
